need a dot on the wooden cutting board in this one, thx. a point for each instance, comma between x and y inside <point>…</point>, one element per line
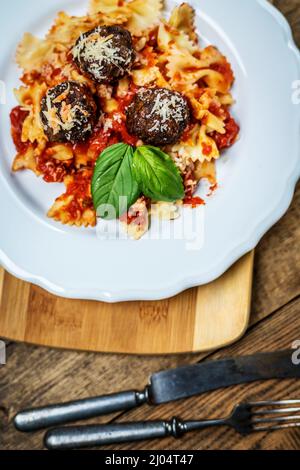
<point>199,319</point>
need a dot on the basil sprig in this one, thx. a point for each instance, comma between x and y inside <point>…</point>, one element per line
<point>157,174</point>
<point>113,185</point>
<point>122,174</point>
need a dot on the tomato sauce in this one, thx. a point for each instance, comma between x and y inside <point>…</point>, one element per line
<point>17,118</point>
<point>187,132</point>
<point>206,149</point>
<point>232,129</point>
<point>212,189</point>
<point>193,201</point>
<point>120,128</point>
<point>53,171</point>
<point>125,101</point>
<point>153,37</point>
<point>225,70</point>
<point>217,110</point>
<point>80,189</point>
<point>231,133</point>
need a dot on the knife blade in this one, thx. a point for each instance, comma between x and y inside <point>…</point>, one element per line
<point>167,386</point>
<point>187,381</point>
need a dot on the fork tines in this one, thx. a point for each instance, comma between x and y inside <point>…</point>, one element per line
<point>272,423</point>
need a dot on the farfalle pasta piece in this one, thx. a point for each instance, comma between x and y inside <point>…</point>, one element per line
<point>75,206</point>
<point>71,72</point>
<point>25,161</point>
<point>207,146</point>
<point>67,29</point>
<point>183,19</point>
<point>199,147</point>
<point>115,7</point>
<point>30,99</point>
<point>144,15</point>
<point>226,99</point>
<point>61,152</point>
<point>202,113</point>
<point>145,76</point>
<point>206,170</point>
<point>32,53</point>
<point>168,36</point>
<point>184,67</point>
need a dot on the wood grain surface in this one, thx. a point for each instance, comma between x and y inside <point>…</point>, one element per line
<point>197,320</point>
<point>35,375</point>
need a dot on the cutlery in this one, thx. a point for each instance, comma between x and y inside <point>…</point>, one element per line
<point>245,419</point>
<point>166,386</point>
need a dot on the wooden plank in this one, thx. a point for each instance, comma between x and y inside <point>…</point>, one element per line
<point>215,324</point>
<point>291,10</point>
<point>14,298</point>
<point>277,263</point>
<point>195,320</point>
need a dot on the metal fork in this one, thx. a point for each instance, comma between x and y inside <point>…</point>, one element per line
<point>245,418</point>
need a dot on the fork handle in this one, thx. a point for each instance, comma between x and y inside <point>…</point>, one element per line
<point>77,437</point>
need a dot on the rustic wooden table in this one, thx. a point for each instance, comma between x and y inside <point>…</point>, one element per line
<point>36,375</point>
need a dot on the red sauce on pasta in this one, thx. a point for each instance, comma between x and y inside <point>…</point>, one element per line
<point>125,101</point>
<point>232,129</point>
<point>17,118</point>
<point>80,189</point>
<point>212,189</point>
<point>226,140</point>
<point>194,201</point>
<point>100,142</point>
<point>206,149</point>
<point>225,70</point>
<point>120,128</point>
<point>53,171</point>
<point>187,132</point>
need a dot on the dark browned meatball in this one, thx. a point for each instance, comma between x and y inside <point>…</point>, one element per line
<point>158,116</point>
<point>105,53</point>
<point>68,113</point>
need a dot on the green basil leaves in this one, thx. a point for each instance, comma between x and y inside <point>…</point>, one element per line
<point>157,174</point>
<point>114,188</point>
<point>122,174</point>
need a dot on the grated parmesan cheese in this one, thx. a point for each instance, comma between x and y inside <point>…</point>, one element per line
<point>63,118</point>
<point>93,48</point>
<point>170,107</point>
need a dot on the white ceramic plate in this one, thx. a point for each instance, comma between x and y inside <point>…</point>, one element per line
<point>257,176</point>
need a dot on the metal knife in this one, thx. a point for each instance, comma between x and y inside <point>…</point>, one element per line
<point>166,386</point>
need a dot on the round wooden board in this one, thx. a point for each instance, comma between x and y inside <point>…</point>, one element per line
<point>199,319</point>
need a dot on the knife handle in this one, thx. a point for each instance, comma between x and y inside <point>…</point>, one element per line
<point>77,437</point>
<point>53,415</point>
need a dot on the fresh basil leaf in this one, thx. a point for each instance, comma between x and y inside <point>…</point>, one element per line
<point>157,174</point>
<point>112,180</point>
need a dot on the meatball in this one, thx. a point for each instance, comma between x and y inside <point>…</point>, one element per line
<point>105,53</point>
<point>68,113</point>
<point>158,116</point>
